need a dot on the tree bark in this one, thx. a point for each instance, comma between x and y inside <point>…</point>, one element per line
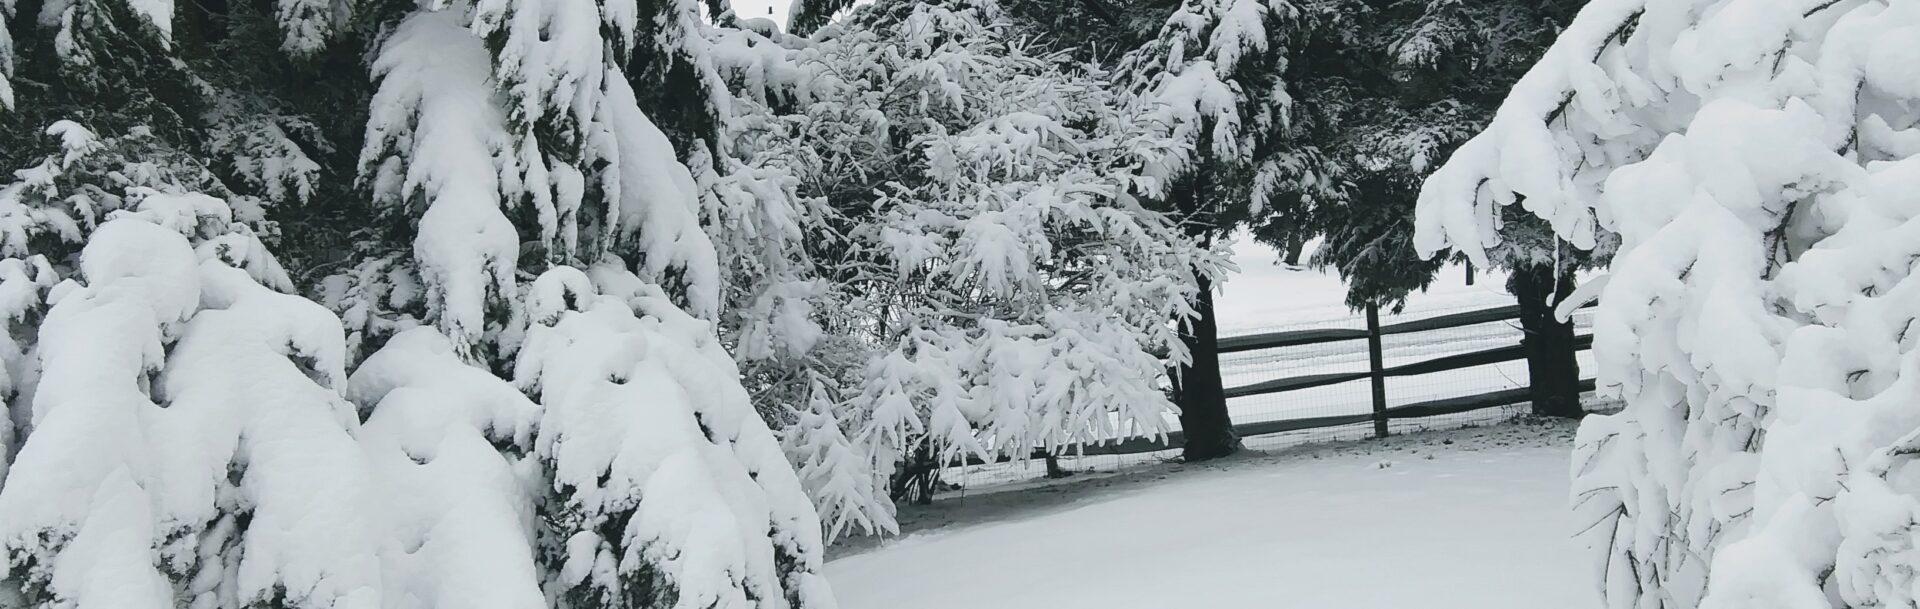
<point>1198,389</point>
<point>1553,371</point>
<point>1197,386</point>
<point>1295,247</point>
<point>917,477</point>
<point>1054,471</point>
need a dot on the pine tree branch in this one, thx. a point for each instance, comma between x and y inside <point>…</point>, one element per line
<point>1100,9</point>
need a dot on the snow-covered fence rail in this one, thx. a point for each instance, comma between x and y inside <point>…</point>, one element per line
<point>1376,373</point>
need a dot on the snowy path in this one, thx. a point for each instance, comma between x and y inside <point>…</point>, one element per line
<point>1467,519</point>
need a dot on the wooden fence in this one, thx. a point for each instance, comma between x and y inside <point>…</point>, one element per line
<point>1376,374</point>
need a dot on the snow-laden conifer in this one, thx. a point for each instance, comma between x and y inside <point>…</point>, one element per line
<point>1209,99</point>
<point>668,489</point>
<point>1009,291</point>
<point>570,154</point>
<point>1213,80</point>
<point>23,291</point>
<point>451,448</point>
<point>151,476</point>
<point>846,487</point>
<point>1753,158</point>
<point>513,132</point>
<point>501,140</point>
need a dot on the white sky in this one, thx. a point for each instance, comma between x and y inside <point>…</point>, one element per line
<point>748,9</point>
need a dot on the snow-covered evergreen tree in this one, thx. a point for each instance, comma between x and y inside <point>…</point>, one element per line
<point>457,442</point>
<point>52,206</point>
<point>570,152</point>
<point>23,288</point>
<point>843,480</point>
<point>1213,79</point>
<point>765,207</point>
<point>756,204</point>
<point>1010,292</point>
<point>150,476</point>
<point>670,490</point>
<point>146,473</point>
<point>1756,160</point>
<point>1387,90</point>
<point>800,168</point>
<point>806,16</point>
<point>513,134</point>
<point>1210,94</point>
<point>501,140</point>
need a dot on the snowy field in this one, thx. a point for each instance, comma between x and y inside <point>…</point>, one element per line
<point>1462,519</point>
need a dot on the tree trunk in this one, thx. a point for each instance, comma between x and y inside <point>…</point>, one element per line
<point>1198,388</point>
<point>1295,247</point>
<point>1054,471</point>
<point>917,477</point>
<point>1552,370</point>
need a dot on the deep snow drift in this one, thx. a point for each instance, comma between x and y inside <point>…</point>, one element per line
<point>1468,519</point>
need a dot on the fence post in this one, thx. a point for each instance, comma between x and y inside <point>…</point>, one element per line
<point>1376,363</point>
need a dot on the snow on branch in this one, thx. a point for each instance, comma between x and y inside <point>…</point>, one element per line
<point>1755,159</point>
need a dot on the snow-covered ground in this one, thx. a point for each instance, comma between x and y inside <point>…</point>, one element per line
<point>1462,519</point>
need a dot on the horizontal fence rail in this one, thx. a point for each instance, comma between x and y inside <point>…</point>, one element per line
<point>1174,440</point>
<point>1376,373</point>
<point>1296,338</point>
<point>1438,364</point>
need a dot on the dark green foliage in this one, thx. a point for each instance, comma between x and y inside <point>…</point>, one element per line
<point>677,89</point>
<point>217,92</point>
<point>1098,31</point>
<point>1388,88</point>
<point>319,104</point>
<point>1263,161</point>
<point>118,74</point>
<point>806,16</point>
<point>1370,246</point>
